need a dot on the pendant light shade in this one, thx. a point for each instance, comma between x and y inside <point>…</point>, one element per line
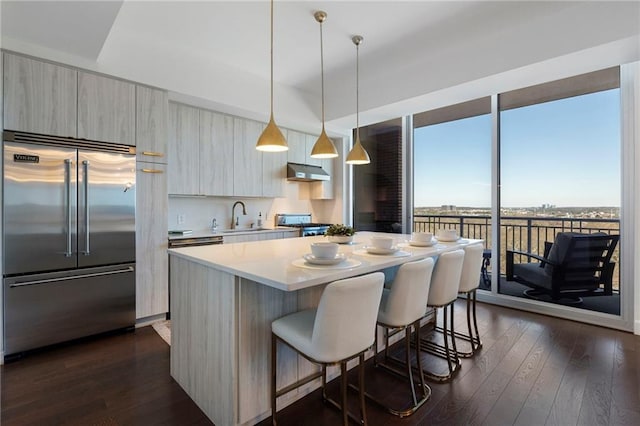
<point>272,139</point>
<point>358,155</point>
<point>324,147</point>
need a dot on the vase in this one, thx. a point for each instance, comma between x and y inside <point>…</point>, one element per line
<point>340,239</point>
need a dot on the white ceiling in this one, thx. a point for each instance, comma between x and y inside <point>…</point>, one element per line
<point>216,53</point>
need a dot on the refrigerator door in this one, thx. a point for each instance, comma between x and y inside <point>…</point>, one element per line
<point>43,309</point>
<point>39,217</point>
<point>106,208</point>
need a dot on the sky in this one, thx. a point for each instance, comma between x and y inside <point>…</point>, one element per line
<point>565,153</point>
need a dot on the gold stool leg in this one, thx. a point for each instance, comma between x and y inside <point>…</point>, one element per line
<point>443,351</point>
<point>478,343</point>
<point>274,363</point>
<point>343,392</point>
<point>363,409</point>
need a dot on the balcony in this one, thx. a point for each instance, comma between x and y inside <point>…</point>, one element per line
<point>528,233</point>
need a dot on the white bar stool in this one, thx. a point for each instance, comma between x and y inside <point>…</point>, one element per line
<point>469,283</point>
<point>403,306</point>
<point>443,292</point>
<point>341,328</point>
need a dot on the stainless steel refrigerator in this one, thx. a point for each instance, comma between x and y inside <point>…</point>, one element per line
<point>68,239</point>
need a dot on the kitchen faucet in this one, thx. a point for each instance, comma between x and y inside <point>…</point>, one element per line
<point>233,213</point>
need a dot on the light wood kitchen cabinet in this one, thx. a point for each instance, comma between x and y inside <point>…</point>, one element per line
<point>310,141</point>
<point>152,290</point>
<point>247,160</point>
<point>39,97</point>
<point>184,150</point>
<point>274,170</point>
<point>297,142</point>
<point>152,112</point>
<point>260,236</point>
<point>216,153</point>
<point>324,190</point>
<point>106,109</point>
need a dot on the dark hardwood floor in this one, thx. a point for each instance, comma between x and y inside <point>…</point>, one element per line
<point>532,370</point>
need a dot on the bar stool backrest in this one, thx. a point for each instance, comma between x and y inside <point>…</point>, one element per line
<point>345,322</point>
<point>407,299</point>
<point>446,278</point>
<point>470,279</point>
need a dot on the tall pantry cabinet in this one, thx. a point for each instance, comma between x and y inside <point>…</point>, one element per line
<point>152,293</point>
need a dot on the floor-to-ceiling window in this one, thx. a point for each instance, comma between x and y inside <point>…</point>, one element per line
<point>452,170</point>
<point>560,171</point>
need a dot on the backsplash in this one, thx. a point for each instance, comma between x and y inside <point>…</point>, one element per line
<point>196,213</point>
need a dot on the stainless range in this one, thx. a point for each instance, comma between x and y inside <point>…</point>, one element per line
<point>302,221</point>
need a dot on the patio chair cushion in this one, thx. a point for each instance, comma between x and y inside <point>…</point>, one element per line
<point>532,272</point>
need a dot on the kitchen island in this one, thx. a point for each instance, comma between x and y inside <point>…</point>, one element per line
<point>223,300</point>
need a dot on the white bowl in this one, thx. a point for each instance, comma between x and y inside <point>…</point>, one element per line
<point>422,237</point>
<point>324,250</point>
<point>340,239</point>
<point>382,242</point>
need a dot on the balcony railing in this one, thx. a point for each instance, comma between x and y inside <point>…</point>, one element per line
<point>519,232</point>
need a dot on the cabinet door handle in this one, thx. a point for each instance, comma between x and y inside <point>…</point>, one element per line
<point>153,154</point>
<point>152,171</point>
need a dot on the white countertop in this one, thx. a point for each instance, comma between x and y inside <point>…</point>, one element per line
<point>222,232</point>
<point>270,262</point>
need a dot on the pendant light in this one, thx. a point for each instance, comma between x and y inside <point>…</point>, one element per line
<point>323,148</point>
<point>357,155</point>
<point>272,139</point>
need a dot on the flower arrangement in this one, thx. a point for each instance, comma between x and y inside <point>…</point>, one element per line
<point>340,230</point>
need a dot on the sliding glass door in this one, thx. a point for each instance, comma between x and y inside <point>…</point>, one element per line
<point>560,151</point>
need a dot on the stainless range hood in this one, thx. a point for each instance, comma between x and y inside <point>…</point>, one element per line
<point>306,173</point>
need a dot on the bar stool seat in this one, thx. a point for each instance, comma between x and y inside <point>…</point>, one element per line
<point>341,328</point>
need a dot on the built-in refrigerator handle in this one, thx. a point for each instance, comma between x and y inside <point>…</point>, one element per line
<point>67,181</point>
<point>85,168</point>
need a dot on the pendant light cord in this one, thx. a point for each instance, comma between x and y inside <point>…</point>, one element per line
<point>271,58</point>
<point>358,92</point>
<point>322,73</point>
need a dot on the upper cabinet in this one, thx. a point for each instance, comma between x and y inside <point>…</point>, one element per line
<point>216,153</point>
<point>297,142</point>
<point>152,107</point>
<point>106,109</point>
<point>39,97</point>
<point>310,142</point>
<point>274,169</point>
<point>184,150</point>
<point>247,160</point>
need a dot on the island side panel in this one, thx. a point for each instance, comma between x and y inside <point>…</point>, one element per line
<point>203,346</point>
<point>259,306</point>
